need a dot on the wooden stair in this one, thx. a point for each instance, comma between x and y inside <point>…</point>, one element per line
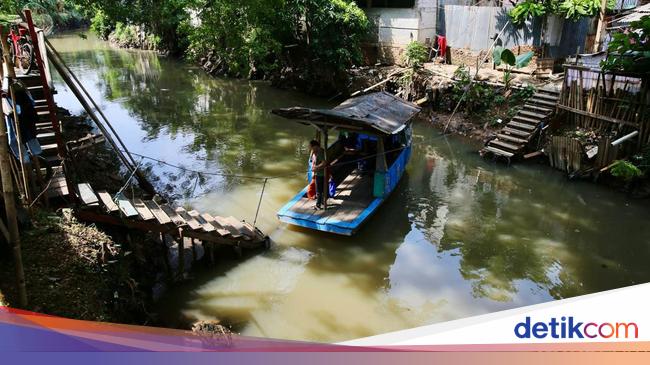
<point>513,139</point>
<point>46,136</point>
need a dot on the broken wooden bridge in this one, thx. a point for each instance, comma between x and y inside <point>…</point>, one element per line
<point>187,227</point>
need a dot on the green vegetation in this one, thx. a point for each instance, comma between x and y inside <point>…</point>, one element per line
<point>416,54</point>
<point>249,36</point>
<point>133,36</point>
<point>256,35</point>
<point>101,25</point>
<point>630,51</point>
<point>48,14</point>
<point>504,56</point>
<point>569,9</point>
<point>317,39</point>
<point>159,17</point>
<point>484,101</point>
<point>626,170</point>
<point>477,97</point>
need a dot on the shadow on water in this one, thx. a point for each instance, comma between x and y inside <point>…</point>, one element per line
<point>460,236</point>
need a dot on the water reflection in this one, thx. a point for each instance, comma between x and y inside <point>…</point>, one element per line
<point>460,235</point>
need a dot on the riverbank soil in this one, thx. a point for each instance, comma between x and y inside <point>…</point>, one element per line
<point>75,270</point>
<point>86,271</point>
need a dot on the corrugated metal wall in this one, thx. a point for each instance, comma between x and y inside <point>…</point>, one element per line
<point>474,28</point>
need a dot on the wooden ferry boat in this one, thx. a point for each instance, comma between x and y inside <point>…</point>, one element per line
<point>365,162</point>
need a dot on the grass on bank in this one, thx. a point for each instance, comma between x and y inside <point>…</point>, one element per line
<point>62,267</point>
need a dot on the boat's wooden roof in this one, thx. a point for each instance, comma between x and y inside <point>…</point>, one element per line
<point>377,112</point>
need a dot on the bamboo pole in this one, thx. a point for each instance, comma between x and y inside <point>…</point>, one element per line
<point>123,153</point>
<point>181,254</point>
<point>11,73</point>
<point>600,26</point>
<point>24,166</point>
<point>10,209</point>
<point>326,184</point>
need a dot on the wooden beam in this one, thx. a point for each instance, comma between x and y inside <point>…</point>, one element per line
<point>90,216</point>
<point>46,87</point>
<point>597,116</point>
<point>181,253</point>
<point>10,208</point>
<point>142,209</point>
<point>533,154</point>
<point>108,202</point>
<point>396,72</point>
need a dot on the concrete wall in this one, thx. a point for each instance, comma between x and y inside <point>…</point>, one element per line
<point>396,27</point>
<point>470,28</point>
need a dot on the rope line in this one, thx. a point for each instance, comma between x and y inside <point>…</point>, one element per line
<point>128,181</point>
<point>259,203</point>
<point>262,178</point>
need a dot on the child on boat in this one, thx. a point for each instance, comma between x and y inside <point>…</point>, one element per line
<point>319,171</point>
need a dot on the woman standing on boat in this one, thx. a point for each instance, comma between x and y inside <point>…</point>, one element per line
<point>318,168</point>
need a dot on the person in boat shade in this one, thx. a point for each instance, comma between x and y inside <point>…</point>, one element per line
<point>319,171</point>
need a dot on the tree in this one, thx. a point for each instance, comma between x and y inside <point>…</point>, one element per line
<point>251,34</point>
<point>160,17</point>
<point>569,9</point>
<point>629,51</point>
<point>48,14</point>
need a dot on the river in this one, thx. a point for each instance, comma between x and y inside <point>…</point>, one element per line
<point>460,236</point>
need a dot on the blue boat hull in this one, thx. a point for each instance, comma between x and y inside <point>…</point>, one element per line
<point>392,177</point>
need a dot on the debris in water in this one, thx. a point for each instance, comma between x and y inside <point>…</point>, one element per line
<point>213,333</point>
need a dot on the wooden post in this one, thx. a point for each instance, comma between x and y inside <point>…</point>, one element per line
<point>326,171</point>
<point>168,266</point>
<point>600,26</point>
<point>210,246</point>
<point>24,166</point>
<point>181,253</point>
<point>380,169</point>
<point>193,250</point>
<point>12,76</point>
<point>10,209</point>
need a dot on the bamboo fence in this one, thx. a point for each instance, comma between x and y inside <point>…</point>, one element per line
<point>610,104</point>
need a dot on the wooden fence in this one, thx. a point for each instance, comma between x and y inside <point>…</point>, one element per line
<point>612,104</point>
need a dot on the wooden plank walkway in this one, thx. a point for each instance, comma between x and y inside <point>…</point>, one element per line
<point>145,215</point>
<point>149,215</point>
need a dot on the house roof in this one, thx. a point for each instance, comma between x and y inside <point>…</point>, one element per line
<point>631,16</point>
<point>377,112</point>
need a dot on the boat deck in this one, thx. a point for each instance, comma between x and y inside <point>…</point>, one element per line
<point>345,211</point>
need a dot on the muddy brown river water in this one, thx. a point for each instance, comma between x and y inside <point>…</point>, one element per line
<point>460,236</point>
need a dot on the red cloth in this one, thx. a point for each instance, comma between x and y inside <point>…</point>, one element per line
<point>311,190</point>
<point>442,45</point>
